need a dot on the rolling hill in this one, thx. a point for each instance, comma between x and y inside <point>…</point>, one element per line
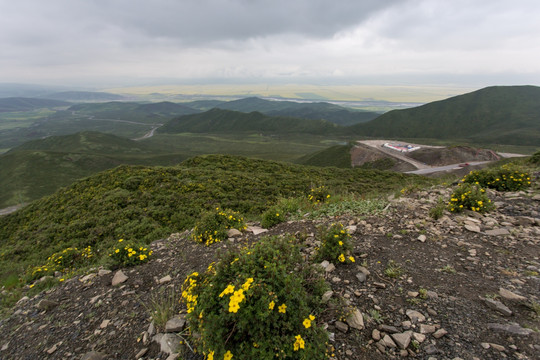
<point>83,96</point>
<point>226,121</point>
<point>39,167</point>
<point>493,115</point>
<point>12,104</point>
<point>305,110</point>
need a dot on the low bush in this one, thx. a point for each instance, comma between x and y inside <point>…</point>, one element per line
<point>213,225</point>
<point>535,158</point>
<point>258,303</point>
<point>336,245</point>
<point>64,261</point>
<point>129,253</point>
<point>504,178</point>
<point>318,195</point>
<point>469,197</point>
<point>271,217</point>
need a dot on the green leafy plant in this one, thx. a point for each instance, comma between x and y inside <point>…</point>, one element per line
<point>257,303</point>
<point>336,244</point>
<point>213,225</point>
<point>376,316</point>
<point>271,217</point>
<point>129,253</point>
<point>469,197</point>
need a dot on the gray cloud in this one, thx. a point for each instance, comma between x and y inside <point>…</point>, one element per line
<point>182,39</point>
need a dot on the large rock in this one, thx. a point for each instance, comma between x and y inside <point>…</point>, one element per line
<point>498,306</point>
<point>118,278</point>
<point>94,355</point>
<point>507,294</point>
<point>512,328</point>
<point>356,320</point>
<point>415,316</point>
<point>402,339</point>
<point>176,324</point>
<point>170,343</point>
<point>46,304</point>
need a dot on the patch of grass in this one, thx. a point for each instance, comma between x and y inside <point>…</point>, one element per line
<point>393,270</point>
<point>449,269</point>
<point>422,293</point>
<point>162,305</point>
<point>437,211</point>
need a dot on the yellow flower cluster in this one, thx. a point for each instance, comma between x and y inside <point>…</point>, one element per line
<point>307,321</point>
<point>299,343</point>
<point>237,295</point>
<point>188,292</point>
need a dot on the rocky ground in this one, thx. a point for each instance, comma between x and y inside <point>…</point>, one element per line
<point>461,287</point>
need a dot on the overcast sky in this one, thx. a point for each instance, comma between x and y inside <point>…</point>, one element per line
<point>339,41</point>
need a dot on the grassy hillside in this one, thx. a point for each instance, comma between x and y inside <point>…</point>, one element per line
<point>338,156</point>
<point>500,114</point>
<point>12,104</point>
<point>218,120</point>
<point>146,203</point>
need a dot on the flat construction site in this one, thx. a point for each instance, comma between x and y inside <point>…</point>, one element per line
<point>425,160</point>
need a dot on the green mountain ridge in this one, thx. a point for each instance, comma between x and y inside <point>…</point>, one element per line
<point>497,115</point>
<point>305,110</point>
<point>12,104</point>
<point>219,120</point>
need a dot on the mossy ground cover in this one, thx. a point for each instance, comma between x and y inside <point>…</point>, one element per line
<point>147,203</point>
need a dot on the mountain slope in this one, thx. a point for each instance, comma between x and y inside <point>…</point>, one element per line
<point>305,110</point>
<point>500,114</point>
<point>25,104</point>
<point>218,120</point>
<point>148,202</point>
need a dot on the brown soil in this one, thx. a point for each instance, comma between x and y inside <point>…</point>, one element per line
<point>452,155</point>
<point>455,302</point>
<point>365,155</point>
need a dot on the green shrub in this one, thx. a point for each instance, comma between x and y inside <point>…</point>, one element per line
<point>469,197</point>
<point>535,158</point>
<point>437,211</point>
<point>64,261</point>
<point>257,303</point>
<point>272,217</point>
<point>213,225</point>
<point>128,253</point>
<point>505,178</point>
<point>318,195</point>
<point>335,244</point>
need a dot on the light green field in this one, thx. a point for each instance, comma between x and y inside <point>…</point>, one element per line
<point>302,91</point>
<point>22,119</point>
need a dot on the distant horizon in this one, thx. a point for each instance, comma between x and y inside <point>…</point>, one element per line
<point>270,89</point>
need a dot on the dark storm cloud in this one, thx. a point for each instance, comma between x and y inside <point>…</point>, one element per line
<point>185,21</point>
